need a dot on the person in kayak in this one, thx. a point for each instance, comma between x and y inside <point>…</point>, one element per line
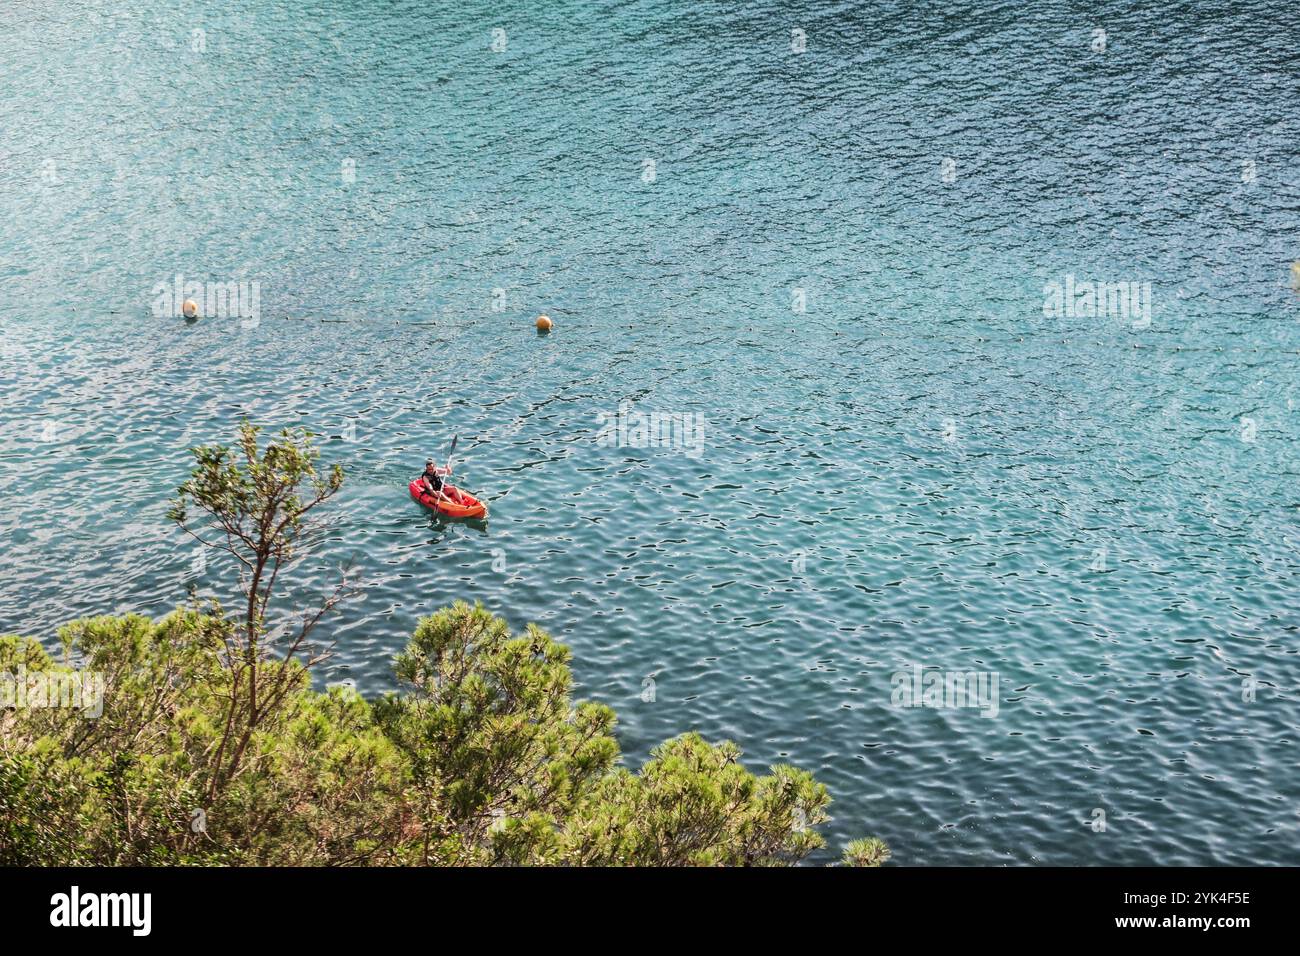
<point>431,479</point>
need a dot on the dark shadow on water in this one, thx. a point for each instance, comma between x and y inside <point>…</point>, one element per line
<point>442,524</point>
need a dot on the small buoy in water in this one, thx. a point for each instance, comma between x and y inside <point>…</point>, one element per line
<point>543,323</point>
<point>189,308</point>
<point>1295,275</point>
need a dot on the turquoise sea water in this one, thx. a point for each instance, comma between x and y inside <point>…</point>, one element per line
<point>905,463</point>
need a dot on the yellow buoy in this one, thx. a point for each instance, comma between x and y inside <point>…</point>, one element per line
<point>189,308</point>
<point>1295,275</point>
<point>544,323</point>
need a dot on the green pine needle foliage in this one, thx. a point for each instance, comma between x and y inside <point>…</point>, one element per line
<point>209,745</point>
<point>483,758</point>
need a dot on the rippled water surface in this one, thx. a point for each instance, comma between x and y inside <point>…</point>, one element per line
<point>920,467</point>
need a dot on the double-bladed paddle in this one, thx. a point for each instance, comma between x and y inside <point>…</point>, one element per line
<point>450,451</point>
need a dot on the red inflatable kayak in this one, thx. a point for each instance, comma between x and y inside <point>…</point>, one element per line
<point>453,502</point>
